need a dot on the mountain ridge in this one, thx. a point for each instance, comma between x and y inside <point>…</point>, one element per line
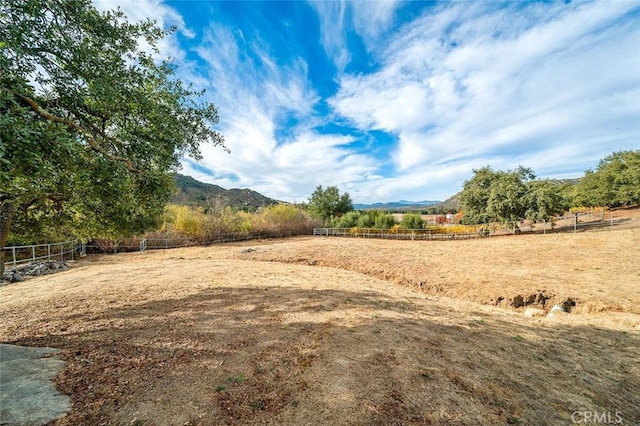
<point>396,205</point>
<point>192,192</point>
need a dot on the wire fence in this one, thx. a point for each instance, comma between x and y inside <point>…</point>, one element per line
<point>20,255</point>
<point>431,233</point>
<point>142,244</point>
<point>569,222</point>
<point>69,250</point>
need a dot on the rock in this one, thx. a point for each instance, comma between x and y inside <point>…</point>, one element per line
<point>247,250</point>
<point>531,299</point>
<point>12,277</point>
<point>555,311</point>
<point>517,302</point>
<point>534,312</point>
<point>35,269</point>
<point>313,262</point>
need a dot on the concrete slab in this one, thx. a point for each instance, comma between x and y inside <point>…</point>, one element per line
<point>27,394</point>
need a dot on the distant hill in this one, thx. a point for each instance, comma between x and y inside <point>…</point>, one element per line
<point>403,205</point>
<point>192,192</point>
<point>451,204</point>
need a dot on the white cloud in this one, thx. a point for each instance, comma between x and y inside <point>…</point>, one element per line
<point>553,86</point>
<point>368,19</point>
<point>539,85</point>
<point>372,18</point>
<point>267,116</point>
<point>155,10</point>
<point>332,30</point>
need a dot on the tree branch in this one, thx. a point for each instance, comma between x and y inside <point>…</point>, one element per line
<point>93,144</point>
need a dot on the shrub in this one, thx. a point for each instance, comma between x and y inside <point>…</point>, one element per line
<point>282,220</point>
<point>412,221</point>
<point>184,220</point>
<point>349,220</point>
<point>385,221</point>
<point>366,221</point>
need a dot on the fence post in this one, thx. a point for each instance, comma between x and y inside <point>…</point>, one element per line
<point>49,252</point>
<point>33,253</point>
<point>611,226</point>
<point>13,251</point>
<point>575,223</point>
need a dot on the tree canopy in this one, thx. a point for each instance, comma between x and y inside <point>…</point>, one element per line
<point>90,123</point>
<point>614,183</point>
<point>327,203</point>
<point>499,196</point>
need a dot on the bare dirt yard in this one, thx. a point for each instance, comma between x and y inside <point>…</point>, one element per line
<point>319,330</point>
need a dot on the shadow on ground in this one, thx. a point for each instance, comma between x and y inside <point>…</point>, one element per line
<point>255,355</point>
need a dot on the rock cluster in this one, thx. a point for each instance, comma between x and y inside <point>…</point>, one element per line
<point>33,269</point>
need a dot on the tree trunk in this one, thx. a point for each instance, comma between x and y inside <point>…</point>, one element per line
<point>6,214</point>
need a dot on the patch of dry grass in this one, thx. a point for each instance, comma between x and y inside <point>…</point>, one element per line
<point>317,330</point>
<point>598,270</point>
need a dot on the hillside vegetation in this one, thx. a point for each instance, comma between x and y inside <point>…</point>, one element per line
<point>192,192</point>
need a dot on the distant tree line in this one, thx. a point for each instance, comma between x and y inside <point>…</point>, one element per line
<point>514,195</point>
<point>502,196</point>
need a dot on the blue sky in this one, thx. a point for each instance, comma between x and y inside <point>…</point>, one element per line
<point>392,100</point>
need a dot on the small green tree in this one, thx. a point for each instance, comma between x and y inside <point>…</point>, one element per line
<point>348,220</point>
<point>412,221</point>
<point>367,219</point>
<point>327,203</point>
<point>385,221</point>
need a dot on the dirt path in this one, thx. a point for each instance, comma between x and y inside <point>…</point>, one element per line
<point>318,331</point>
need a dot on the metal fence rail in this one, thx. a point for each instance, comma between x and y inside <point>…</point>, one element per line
<point>20,255</point>
<point>143,244</point>
<point>439,233</point>
<point>570,222</point>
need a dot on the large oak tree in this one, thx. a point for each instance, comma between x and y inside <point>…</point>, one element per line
<point>614,183</point>
<point>499,196</point>
<point>91,125</point>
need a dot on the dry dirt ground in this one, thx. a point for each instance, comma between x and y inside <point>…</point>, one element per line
<point>344,332</point>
